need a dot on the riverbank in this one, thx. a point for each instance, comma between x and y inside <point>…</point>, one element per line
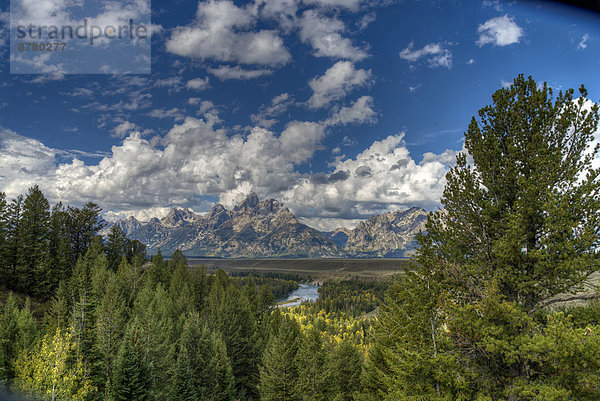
<point>305,293</point>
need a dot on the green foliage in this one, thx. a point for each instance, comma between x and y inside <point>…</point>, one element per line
<point>279,370</point>
<point>18,330</point>
<point>230,315</point>
<point>13,248</point>
<point>345,368</point>
<point>314,377</point>
<point>116,246</point>
<point>202,370</point>
<point>157,272</point>
<point>155,316</point>
<point>354,297</point>
<point>132,373</point>
<point>109,330</point>
<point>519,225</point>
<point>83,225</point>
<point>524,212</point>
<point>35,221</point>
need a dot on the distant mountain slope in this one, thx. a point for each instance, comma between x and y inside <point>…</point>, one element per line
<point>255,229</point>
<point>251,229</point>
<point>386,235</point>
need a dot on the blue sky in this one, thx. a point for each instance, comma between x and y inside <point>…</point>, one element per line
<point>339,108</point>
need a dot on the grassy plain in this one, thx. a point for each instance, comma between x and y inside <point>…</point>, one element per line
<point>316,269</point>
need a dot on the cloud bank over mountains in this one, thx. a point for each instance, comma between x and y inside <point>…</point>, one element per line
<point>197,157</point>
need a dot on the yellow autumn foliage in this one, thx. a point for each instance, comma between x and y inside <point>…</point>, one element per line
<point>50,370</point>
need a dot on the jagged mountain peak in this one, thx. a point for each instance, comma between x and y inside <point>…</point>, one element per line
<point>131,219</point>
<point>179,216</point>
<point>389,234</point>
<point>247,204</point>
<point>216,210</point>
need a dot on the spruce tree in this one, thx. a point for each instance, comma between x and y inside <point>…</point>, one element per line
<point>34,241</point>
<point>109,330</point>
<point>154,313</point>
<point>13,249</point>
<point>230,315</point>
<point>83,225</point>
<point>60,254</point>
<point>279,370</point>
<point>132,378</point>
<point>202,370</point>
<point>345,367</point>
<point>157,272</point>
<point>116,246</point>
<point>18,331</point>
<point>4,239</point>
<point>314,382</point>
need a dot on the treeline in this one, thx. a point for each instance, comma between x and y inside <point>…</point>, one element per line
<point>281,284</point>
<point>39,245</point>
<point>354,297</point>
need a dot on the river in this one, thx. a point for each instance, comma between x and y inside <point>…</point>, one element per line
<point>306,292</point>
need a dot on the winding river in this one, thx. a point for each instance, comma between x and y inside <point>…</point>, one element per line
<point>306,292</point>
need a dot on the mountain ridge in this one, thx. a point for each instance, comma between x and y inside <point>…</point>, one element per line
<point>266,229</point>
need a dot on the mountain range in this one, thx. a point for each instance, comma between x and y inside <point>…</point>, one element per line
<point>266,229</point>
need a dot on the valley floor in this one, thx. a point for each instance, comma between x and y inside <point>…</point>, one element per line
<point>317,269</point>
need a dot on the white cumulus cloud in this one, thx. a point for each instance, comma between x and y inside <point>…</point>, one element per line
<point>337,81</point>
<point>324,34</point>
<point>384,177</point>
<point>198,84</point>
<point>361,111</point>
<point>499,31</point>
<point>223,32</point>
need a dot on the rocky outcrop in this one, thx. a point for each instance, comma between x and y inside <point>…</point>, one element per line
<point>386,235</point>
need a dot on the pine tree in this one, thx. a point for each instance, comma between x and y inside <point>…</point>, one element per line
<point>18,331</point>
<point>109,330</point>
<point>181,290</point>
<point>200,286</point>
<point>157,272</point>
<point>14,233</point>
<point>519,225</point>
<point>60,254</point>
<point>314,382</point>
<point>229,315</point>
<point>34,241</point>
<point>154,313</point>
<point>116,247</point>
<point>132,374</point>
<point>83,225</point>
<point>202,370</point>
<point>345,367</point>
<point>60,308</point>
<point>4,239</point>
<point>279,370</point>
<point>131,276</point>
